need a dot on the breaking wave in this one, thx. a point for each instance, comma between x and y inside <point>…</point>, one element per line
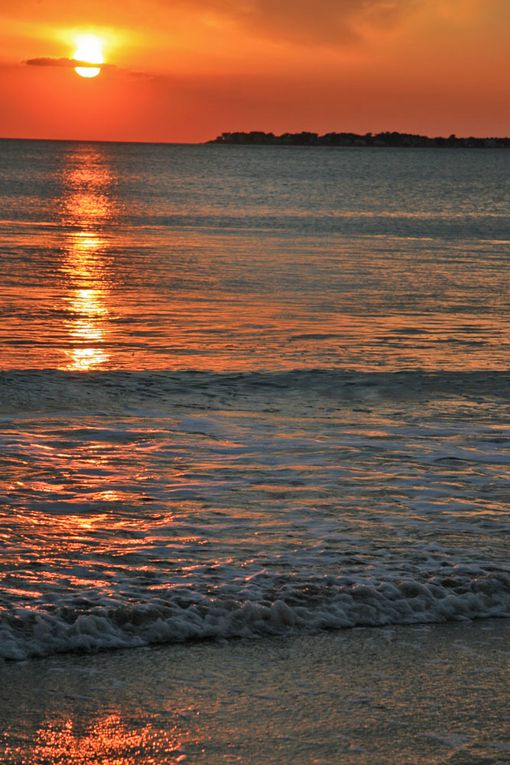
<point>269,605</point>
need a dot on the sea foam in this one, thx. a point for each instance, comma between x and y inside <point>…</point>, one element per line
<point>267,606</point>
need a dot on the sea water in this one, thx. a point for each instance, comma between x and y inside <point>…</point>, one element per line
<point>250,391</point>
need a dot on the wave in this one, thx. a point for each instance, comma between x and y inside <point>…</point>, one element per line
<point>151,391</point>
<point>270,605</point>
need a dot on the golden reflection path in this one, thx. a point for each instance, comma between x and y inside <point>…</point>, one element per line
<point>104,740</point>
<point>86,207</point>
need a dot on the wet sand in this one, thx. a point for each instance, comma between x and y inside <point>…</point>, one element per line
<point>423,695</point>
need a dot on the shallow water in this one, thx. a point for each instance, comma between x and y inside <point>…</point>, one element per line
<point>250,390</point>
<point>392,696</point>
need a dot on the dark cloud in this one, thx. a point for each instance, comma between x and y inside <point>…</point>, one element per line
<point>47,61</point>
<point>65,62</point>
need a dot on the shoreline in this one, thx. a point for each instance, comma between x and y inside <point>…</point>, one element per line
<point>473,142</point>
<point>382,140</point>
<point>416,695</point>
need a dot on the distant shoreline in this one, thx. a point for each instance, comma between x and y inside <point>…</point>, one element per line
<point>256,138</point>
<point>375,140</point>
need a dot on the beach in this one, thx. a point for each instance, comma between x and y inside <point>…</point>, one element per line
<point>420,695</point>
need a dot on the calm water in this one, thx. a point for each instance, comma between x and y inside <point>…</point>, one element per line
<point>250,390</point>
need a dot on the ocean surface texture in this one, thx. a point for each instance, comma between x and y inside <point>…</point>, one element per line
<point>250,390</point>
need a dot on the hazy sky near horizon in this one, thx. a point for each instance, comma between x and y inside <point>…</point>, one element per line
<point>189,69</point>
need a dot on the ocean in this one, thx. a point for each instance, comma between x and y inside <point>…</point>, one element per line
<point>250,391</point>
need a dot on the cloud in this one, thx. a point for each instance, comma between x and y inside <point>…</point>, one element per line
<point>308,21</point>
<point>48,61</point>
<point>64,62</point>
<point>330,21</point>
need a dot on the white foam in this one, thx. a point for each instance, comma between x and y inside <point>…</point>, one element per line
<point>271,606</point>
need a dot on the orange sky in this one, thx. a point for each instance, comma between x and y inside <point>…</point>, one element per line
<point>186,70</point>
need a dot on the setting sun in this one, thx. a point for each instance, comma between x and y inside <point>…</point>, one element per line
<point>89,51</point>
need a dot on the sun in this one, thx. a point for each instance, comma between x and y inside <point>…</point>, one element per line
<point>89,51</point>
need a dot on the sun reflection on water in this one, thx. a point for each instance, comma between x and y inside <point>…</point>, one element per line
<point>86,208</point>
<point>88,329</point>
<point>105,740</point>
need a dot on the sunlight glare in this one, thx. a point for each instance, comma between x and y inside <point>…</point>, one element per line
<point>89,50</point>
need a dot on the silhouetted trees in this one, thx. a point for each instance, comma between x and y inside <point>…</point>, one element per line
<point>388,139</point>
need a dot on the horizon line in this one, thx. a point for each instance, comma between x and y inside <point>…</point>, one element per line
<point>215,141</point>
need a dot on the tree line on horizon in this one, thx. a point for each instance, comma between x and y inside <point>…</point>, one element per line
<point>387,139</point>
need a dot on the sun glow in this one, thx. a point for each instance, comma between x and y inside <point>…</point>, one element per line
<point>89,51</point>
